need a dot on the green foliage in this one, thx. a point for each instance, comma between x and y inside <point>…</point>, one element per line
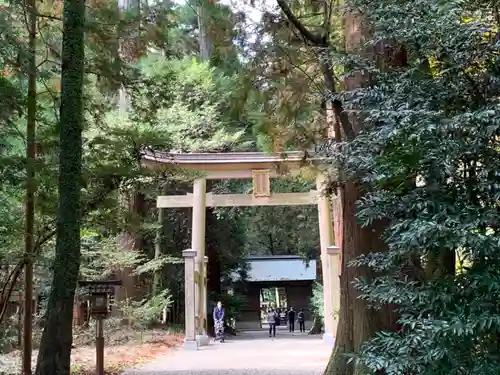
<point>101,257</point>
<point>187,99</point>
<point>317,301</point>
<point>292,230</point>
<point>429,159</point>
<point>11,230</point>
<point>146,312</point>
<point>156,264</point>
<point>9,333</point>
<point>176,104</point>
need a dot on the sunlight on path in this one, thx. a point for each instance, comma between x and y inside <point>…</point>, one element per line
<point>250,353</point>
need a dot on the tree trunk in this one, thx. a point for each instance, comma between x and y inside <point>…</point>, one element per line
<point>160,233</point>
<point>344,342</point>
<point>55,346</point>
<point>357,322</point>
<point>130,240</point>
<point>204,41</point>
<point>317,326</point>
<point>29,240</point>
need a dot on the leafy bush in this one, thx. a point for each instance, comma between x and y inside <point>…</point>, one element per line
<point>9,334</point>
<point>317,301</point>
<point>147,312</point>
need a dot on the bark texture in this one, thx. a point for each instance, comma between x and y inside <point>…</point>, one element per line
<point>55,346</point>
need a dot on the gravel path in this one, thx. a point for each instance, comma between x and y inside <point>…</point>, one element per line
<point>251,353</point>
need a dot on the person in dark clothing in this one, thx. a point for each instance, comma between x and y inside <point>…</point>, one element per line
<point>291,320</point>
<point>302,320</point>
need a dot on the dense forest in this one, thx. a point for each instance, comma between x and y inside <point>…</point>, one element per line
<point>398,97</point>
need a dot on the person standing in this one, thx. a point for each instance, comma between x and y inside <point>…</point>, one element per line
<point>271,320</point>
<point>302,321</point>
<point>218,315</point>
<point>291,320</point>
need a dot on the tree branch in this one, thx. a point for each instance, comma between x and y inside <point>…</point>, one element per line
<point>9,287</point>
<point>322,41</point>
<point>316,39</point>
<point>343,118</point>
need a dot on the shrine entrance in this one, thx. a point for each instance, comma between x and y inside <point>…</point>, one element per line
<point>260,167</point>
<point>275,281</point>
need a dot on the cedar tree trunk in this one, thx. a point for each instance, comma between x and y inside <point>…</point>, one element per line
<point>55,346</point>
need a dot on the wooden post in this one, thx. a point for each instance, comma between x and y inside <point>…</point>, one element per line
<point>189,295</point>
<point>326,240</point>
<point>99,347</point>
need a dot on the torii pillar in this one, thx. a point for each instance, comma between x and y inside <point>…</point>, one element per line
<point>326,240</point>
<point>190,342</point>
<point>198,245</point>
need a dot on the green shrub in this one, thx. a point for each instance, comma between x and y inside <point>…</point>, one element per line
<point>147,312</point>
<point>317,306</point>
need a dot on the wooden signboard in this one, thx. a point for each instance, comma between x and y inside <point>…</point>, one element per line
<point>261,183</point>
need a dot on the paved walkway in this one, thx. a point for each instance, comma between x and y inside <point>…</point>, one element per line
<point>250,353</point>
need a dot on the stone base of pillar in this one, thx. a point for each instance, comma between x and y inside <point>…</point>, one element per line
<point>202,340</point>
<point>329,339</point>
<point>190,345</point>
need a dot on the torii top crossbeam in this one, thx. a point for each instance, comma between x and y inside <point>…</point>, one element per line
<point>231,165</point>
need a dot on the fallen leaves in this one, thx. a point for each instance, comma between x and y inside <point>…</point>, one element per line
<point>118,358</point>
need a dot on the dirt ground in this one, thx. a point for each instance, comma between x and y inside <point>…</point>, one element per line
<point>124,349</point>
<point>123,356</point>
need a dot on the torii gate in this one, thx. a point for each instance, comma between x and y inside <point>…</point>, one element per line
<point>259,167</point>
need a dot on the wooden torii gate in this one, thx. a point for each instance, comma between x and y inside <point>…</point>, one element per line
<point>260,167</point>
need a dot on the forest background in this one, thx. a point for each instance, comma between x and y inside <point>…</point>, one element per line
<point>399,95</point>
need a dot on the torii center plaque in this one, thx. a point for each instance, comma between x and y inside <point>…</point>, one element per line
<point>261,183</point>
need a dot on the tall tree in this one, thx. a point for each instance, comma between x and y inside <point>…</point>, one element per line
<point>55,346</point>
<point>31,10</point>
<point>357,322</point>
<point>204,41</point>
